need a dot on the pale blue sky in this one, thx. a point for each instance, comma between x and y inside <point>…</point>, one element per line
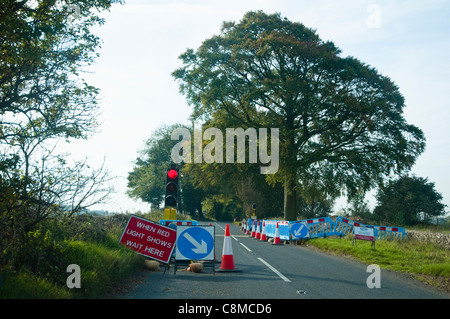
<point>406,40</point>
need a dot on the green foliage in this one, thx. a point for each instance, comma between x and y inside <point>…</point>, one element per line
<point>408,200</point>
<point>146,181</point>
<point>42,99</point>
<point>90,242</point>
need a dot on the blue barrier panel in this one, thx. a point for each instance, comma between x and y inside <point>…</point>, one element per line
<point>320,227</point>
<point>345,226</point>
<point>249,226</point>
<point>270,228</point>
<point>283,227</point>
<point>325,227</point>
<point>285,232</point>
<point>389,232</point>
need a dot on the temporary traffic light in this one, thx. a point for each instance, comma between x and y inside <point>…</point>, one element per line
<point>171,188</point>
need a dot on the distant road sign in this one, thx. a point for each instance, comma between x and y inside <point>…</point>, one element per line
<point>149,239</point>
<point>299,230</point>
<point>195,243</point>
<point>364,233</point>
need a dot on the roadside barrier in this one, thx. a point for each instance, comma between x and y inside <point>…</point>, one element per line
<point>168,222</point>
<point>319,227</point>
<point>283,228</point>
<point>389,232</point>
<point>345,226</point>
<point>325,227</point>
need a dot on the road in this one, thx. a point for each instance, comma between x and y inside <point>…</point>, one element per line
<point>278,272</point>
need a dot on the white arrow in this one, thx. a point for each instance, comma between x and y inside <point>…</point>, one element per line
<point>298,231</point>
<point>199,248</point>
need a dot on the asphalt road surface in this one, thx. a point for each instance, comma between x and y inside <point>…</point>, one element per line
<point>278,272</point>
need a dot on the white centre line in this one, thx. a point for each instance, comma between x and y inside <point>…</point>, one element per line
<point>263,261</point>
<point>274,270</point>
<point>246,247</point>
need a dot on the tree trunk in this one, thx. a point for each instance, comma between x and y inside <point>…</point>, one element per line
<point>290,209</point>
<point>200,209</point>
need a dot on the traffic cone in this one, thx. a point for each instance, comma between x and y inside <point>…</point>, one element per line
<point>248,229</point>
<point>277,240</point>
<point>258,233</point>
<point>227,254</point>
<point>253,230</point>
<point>263,232</point>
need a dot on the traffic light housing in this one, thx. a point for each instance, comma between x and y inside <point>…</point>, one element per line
<point>171,196</point>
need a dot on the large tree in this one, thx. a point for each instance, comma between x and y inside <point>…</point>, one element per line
<point>340,121</point>
<point>146,180</point>
<point>45,46</point>
<point>408,200</point>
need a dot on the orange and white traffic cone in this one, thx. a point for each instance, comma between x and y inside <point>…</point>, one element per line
<point>263,232</point>
<point>258,233</point>
<point>248,229</point>
<point>227,254</point>
<point>253,230</point>
<point>277,240</point>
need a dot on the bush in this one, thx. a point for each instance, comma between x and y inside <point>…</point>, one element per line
<point>40,265</point>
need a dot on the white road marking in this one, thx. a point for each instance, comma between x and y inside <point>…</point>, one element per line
<point>263,261</point>
<point>246,247</point>
<point>274,270</point>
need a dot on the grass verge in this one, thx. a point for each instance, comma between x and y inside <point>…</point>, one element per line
<point>100,267</point>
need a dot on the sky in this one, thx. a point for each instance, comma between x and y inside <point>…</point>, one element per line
<point>408,41</point>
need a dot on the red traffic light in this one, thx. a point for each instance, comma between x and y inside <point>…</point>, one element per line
<point>172,174</point>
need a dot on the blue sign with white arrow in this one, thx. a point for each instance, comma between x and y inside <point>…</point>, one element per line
<point>195,243</point>
<point>299,230</point>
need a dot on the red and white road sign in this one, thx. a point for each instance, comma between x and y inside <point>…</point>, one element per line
<point>364,233</point>
<point>149,238</point>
